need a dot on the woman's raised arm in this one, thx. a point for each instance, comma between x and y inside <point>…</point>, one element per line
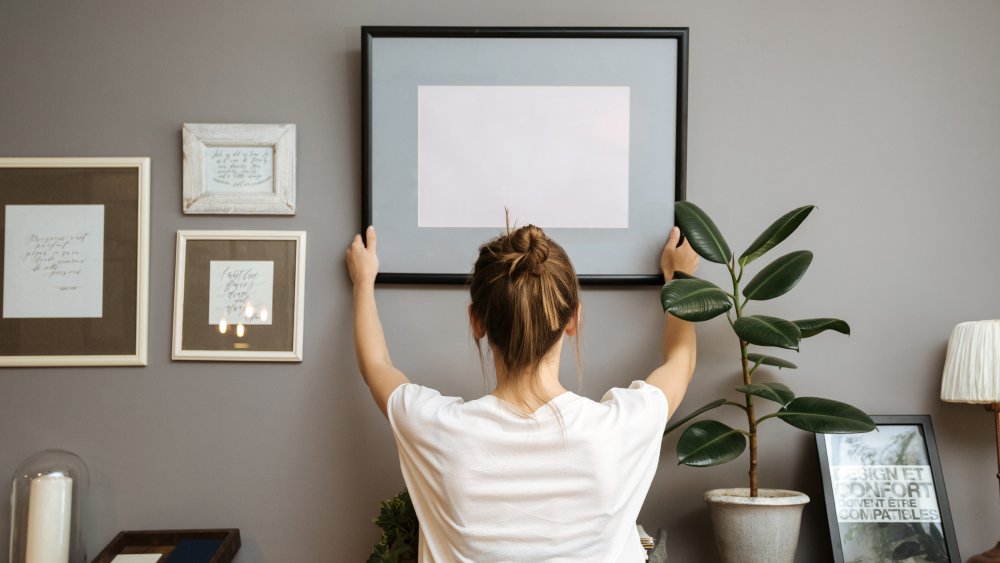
<point>679,342</point>
<point>369,340</point>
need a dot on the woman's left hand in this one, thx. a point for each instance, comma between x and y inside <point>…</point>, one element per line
<point>362,262</point>
<point>677,258</point>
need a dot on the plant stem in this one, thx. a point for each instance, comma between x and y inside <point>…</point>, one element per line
<point>747,380</point>
<point>752,423</point>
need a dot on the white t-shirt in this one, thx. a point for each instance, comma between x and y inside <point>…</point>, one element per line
<point>489,485</point>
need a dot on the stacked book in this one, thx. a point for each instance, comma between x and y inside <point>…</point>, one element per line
<point>646,539</point>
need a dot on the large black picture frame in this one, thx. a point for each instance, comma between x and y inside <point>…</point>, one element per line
<point>408,254</point>
<point>898,523</point>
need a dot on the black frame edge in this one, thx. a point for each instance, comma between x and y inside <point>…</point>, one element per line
<point>464,279</point>
<point>369,32</point>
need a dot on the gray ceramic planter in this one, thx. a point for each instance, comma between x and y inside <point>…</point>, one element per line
<point>764,529</point>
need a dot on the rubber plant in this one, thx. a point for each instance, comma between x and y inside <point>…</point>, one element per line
<point>710,442</point>
<point>400,531</point>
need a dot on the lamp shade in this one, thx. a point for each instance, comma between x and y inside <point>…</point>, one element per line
<point>972,368</point>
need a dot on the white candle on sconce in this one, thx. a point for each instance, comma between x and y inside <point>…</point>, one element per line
<point>50,507</point>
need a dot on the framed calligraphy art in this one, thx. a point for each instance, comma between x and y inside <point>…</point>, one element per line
<point>581,131</point>
<point>75,261</point>
<point>238,295</point>
<point>239,169</point>
<point>885,494</point>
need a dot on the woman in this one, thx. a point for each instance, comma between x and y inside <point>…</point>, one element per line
<point>530,472</point>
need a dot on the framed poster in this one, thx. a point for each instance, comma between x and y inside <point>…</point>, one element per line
<point>238,295</point>
<point>75,261</point>
<point>885,494</point>
<point>239,169</point>
<point>581,131</point>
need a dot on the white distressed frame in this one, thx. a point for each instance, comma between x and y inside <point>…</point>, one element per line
<point>197,137</point>
<point>139,358</point>
<point>293,355</point>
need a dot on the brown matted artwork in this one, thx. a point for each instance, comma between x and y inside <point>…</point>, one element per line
<point>75,261</point>
<point>238,295</point>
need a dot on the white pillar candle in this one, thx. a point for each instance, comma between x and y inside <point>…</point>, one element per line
<point>50,505</point>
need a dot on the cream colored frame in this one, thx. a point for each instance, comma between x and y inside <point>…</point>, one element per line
<point>295,354</point>
<point>142,164</point>
<point>196,137</point>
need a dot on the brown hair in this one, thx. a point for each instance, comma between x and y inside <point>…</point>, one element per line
<point>524,292</point>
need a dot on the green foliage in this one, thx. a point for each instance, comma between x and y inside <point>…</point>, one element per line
<point>777,232</point>
<point>762,360</point>
<point>693,299</point>
<point>709,442</point>
<point>702,233</point>
<point>706,408</point>
<point>812,327</point>
<point>777,392</point>
<point>778,277</point>
<point>768,331</point>
<point>400,531</point>
<point>825,416</point>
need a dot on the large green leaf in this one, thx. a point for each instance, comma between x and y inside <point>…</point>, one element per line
<point>694,299</point>
<point>709,442</point>
<point>777,232</point>
<point>705,237</point>
<point>812,327</point>
<point>826,416</point>
<point>706,408</point>
<point>770,361</point>
<point>767,331</point>
<point>778,277</point>
<point>777,392</point>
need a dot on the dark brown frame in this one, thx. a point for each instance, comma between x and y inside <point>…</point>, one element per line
<point>159,541</point>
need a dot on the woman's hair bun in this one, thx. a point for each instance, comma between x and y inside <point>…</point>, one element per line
<point>532,245</point>
<point>524,292</point>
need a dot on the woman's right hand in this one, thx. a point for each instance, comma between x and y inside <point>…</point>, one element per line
<point>362,262</point>
<point>675,258</point>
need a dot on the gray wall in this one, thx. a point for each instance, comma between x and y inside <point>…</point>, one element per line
<point>884,114</point>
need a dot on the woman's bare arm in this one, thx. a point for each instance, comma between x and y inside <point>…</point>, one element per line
<point>369,340</point>
<point>679,342</point>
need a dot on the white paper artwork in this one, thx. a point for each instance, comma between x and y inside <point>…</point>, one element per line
<point>240,291</point>
<point>137,558</point>
<point>239,169</point>
<point>556,156</point>
<point>53,261</point>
